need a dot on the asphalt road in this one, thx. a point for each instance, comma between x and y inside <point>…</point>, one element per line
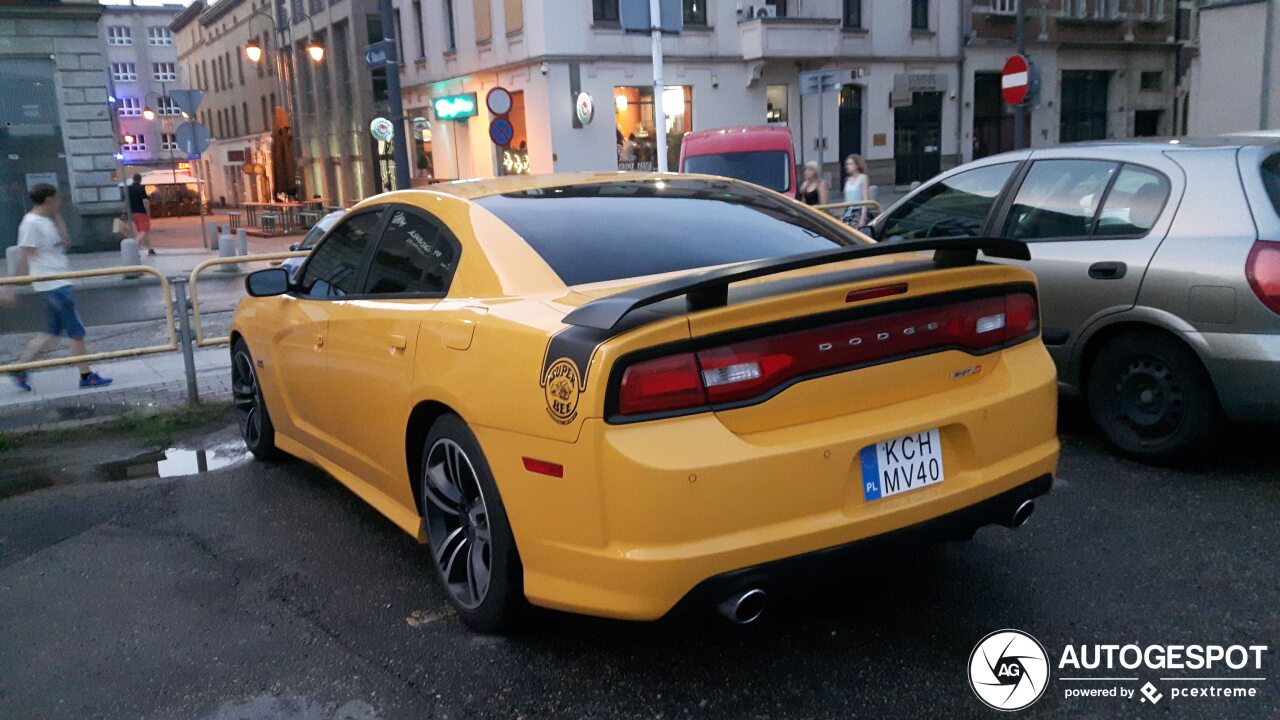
<point>269,591</point>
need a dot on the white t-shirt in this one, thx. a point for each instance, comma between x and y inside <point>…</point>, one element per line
<point>42,234</point>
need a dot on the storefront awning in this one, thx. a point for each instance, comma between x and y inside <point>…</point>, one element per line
<point>167,177</point>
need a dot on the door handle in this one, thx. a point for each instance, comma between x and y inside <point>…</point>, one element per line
<point>399,342</point>
<point>319,341</point>
<point>1107,270</point>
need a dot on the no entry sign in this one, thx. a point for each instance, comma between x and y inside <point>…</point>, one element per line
<point>1015,80</point>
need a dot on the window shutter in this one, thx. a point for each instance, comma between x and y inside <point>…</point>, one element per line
<point>484,31</point>
<point>514,15</point>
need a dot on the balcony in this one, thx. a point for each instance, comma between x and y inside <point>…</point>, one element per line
<point>789,37</point>
<point>1082,11</point>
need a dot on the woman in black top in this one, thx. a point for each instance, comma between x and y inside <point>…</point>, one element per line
<point>813,189</point>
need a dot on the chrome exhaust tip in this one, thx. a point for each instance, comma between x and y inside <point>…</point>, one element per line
<point>1021,514</point>
<point>744,607</point>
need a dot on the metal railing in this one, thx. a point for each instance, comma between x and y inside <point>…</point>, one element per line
<point>200,339</point>
<point>830,207</point>
<point>171,346</point>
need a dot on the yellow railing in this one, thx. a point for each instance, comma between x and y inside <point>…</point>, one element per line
<point>859,203</point>
<point>201,340</point>
<point>113,354</point>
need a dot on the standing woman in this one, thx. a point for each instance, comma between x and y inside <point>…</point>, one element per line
<point>855,190</point>
<point>813,189</point>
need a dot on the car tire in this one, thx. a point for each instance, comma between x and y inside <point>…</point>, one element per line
<point>256,430</point>
<point>1153,400</point>
<point>469,536</point>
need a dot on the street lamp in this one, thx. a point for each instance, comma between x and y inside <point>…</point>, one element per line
<point>148,113</point>
<point>315,50</point>
<point>253,51</point>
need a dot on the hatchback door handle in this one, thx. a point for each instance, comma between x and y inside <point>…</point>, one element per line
<point>1107,270</point>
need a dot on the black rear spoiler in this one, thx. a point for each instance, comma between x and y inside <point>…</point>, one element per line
<point>711,289</point>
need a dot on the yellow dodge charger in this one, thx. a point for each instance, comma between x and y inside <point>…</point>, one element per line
<point>611,393</point>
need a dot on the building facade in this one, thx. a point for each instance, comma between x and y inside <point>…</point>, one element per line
<point>1107,69</point>
<point>736,63</point>
<point>142,66</point>
<point>1237,68</point>
<point>55,123</point>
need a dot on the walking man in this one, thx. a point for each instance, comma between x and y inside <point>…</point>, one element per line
<point>42,238</point>
<point>140,212</point>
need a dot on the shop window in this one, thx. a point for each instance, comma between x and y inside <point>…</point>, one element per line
<point>634,119</point>
<point>776,104</point>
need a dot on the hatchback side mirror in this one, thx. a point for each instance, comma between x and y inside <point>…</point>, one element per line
<point>267,283</point>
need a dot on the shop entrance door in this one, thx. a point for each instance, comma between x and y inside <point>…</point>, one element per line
<point>917,138</point>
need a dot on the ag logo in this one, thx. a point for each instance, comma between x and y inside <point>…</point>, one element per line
<point>1008,670</point>
<point>562,385</point>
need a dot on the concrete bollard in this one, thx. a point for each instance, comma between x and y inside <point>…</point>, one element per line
<point>242,242</point>
<point>214,231</point>
<point>129,254</point>
<point>11,254</point>
<point>226,249</point>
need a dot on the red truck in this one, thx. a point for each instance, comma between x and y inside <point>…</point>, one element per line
<point>760,154</point>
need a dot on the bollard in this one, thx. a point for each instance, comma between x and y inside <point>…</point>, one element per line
<point>185,336</point>
<point>129,254</point>
<point>243,242</point>
<point>11,260</point>
<point>213,234</point>
<point>227,248</point>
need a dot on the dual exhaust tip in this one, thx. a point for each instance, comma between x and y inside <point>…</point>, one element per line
<point>747,606</point>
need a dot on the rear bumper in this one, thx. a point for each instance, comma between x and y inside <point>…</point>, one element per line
<point>647,512</point>
<point>1246,373</point>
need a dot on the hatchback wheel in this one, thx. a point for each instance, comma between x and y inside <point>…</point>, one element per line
<point>1152,399</point>
<point>251,410</point>
<point>470,539</point>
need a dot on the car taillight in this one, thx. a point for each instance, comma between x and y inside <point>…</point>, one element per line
<point>741,371</point>
<point>1263,271</point>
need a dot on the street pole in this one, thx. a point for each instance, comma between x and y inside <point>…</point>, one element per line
<point>399,143</point>
<point>822,138</point>
<point>1020,110</point>
<point>659,115</point>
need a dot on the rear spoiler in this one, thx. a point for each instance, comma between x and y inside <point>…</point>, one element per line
<point>711,288</point>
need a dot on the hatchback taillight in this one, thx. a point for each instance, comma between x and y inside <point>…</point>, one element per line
<point>1263,271</point>
<point>750,369</point>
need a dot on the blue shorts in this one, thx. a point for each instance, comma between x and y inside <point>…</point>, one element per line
<point>60,308</point>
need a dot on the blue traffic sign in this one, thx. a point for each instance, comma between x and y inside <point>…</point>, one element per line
<point>380,54</point>
<point>501,131</point>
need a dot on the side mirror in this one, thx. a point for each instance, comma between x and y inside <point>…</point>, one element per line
<point>267,283</point>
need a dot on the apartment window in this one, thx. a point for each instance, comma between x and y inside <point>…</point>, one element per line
<point>604,11</point>
<point>1084,105</point>
<point>139,144</point>
<point>483,17</point>
<point>119,35</point>
<point>449,39</point>
<point>164,71</point>
<point>919,14</point>
<point>128,106</point>
<point>419,28</point>
<point>1150,80</point>
<point>244,115</point>
<point>514,13</point>
<point>235,122</point>
<point>695,12</point>
<point>204,71</point>
<point>266,118</point>
<point>227,64</point>
<point>779,7</point>
<point>776,104</point>
<point>168,141</point>
<point>159,36</point>
<point>317,6</point>
<point>400,38</point>
<point>124,72</point>
<point>853,14</point>
<point>240,66</point>
<point>166,106</point>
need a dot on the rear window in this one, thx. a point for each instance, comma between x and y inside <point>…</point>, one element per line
<point>767,168</point>
<point>594,233</point>
<point>1271,179</point>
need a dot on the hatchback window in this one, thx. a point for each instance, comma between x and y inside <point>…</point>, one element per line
<point>1133,204</point>
<point>1058,199</point>
<point>1271,179</point>
<point>414,255</point>
<point>955,207</point>
<point>334,266</point>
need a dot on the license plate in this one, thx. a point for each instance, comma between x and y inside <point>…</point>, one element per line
<point>901,464</point>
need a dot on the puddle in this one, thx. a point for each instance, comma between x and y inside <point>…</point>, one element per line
<point>175,462</point>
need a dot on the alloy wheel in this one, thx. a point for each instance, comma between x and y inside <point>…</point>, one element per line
<point>247,398</point>
<point>457,523</point>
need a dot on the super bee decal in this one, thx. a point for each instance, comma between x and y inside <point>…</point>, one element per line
<point>564,370</point>
<point>562,385</point>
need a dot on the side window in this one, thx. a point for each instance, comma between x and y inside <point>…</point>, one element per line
<point>955,207</point>
<point>1134,203</point>
<point>1058,199</point>
<point>334,266</point>
<point>414,255</point>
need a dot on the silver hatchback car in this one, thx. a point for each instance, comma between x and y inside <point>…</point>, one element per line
<point>1159,272</point>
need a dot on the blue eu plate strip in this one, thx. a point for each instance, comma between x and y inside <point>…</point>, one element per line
<point>870,474</point>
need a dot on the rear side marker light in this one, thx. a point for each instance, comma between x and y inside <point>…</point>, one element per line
<point>542,467</point>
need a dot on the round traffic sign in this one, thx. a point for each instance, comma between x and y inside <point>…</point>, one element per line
<point>1015,80</point>
<point>192,138</point>
<point>498,101</point>
<point>501,131</point>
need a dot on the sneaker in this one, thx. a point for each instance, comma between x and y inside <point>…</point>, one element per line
<point>21,380</point>
<point>94,380</point>
<point>151,251</point>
